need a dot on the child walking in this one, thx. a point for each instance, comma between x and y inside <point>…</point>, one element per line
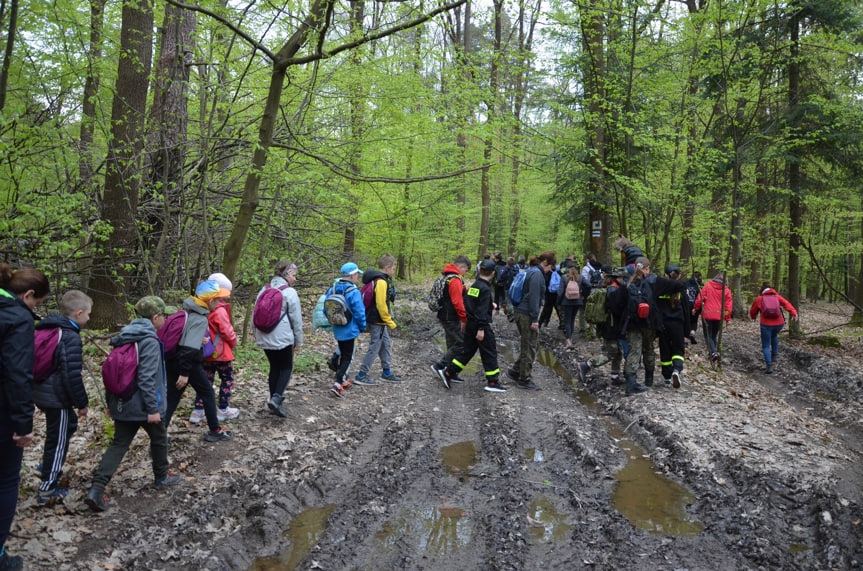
<point>380,321</point>
<point>478,333</point>
<point>346,335</point>
<point>144,409</point>
<point>63,390</point>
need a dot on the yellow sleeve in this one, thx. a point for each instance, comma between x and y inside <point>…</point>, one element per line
<point>381,303</point>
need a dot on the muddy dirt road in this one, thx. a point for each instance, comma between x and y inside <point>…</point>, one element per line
<point>735,470</point>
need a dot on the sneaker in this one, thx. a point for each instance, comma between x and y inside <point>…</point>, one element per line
<point>583,369</point>
<point>337,390</point>
<point>528,386</point>
<point>228,413</point>
<point>364,380</point>
<point>456,379</point>
<point>197,416</point>
<point>714,357</point>
<point>391,378</point>
<point>675,379</point>
<point>667,383</point>
<point>170,479</point>
<point>346,384</point>
<point>513,374</point>
<point>52,496</point>
<point>441,373</point>
<point>218,435</point>
<point>495,387</point>
<point>333,362</point>
<point>97,499</point>
<point>10,561</point>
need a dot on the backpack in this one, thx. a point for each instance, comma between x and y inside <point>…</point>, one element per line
<point>120,370</point>
<point>771,308</point>
<point>435,299</point>
<point>573,290</point>
<point>47,341</point>
<point>502,274</point>
<point>640,299</point>
<point>594,311</point>
<point>336,307</point>
<point>319,316</point>
<point>368,291</point>
<point>692,291</point>
<point>594,277</point>
<point>171,332</point>
<point>554,281</point>
<point>516,289</point>
<point>267,313</point>
<point>210,343</point>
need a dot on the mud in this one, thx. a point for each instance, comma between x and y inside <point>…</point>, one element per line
<point>735,470</point>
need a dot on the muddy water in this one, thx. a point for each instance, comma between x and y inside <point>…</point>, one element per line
<point>458,458</point>
<point>547,525</point>
<point>648,499</point>
<point>304,532</point>
<point>435,530</point>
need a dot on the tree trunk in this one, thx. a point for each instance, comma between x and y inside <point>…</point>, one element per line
<point>794,186</point>
<point>600,220</point>
<point>119,205</point>
<point>7,56</point>
<point>357,118</point>
<point>91,88</point>
<point>492,104</point>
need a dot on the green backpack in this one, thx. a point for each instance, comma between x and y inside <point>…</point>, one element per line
<point>594,311</point>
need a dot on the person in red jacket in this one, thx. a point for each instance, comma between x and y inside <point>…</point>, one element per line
<point>452,315</point>
<point>770,304</point>
<point>714,311</point>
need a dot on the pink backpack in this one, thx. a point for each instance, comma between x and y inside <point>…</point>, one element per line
<point>771,307</point>
<point>268,309</point>
<point>368,292</point>
<point>171,332</point>
<point>44,348</point>
<point>120,371</point>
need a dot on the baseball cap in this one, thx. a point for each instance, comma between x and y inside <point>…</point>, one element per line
<point>350,269</point>
<point>671,268</point>
<point>149,307</point>
<point>487,265</point>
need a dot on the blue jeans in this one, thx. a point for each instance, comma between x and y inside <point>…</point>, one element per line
<point>770,341</point>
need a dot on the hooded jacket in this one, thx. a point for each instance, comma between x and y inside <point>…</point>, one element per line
<point>190,349</point>
<point>533,294</point>
<point>786,305</point>
<point>659,288</point>
<point>379,311</point>
<point>710,298</point>
<point>453,302</point>
<point>16,362</point>
<point>630,254</point>
<point>64,387</point>
<point>222,332</point>
<point>289,330</point>
<point>357,324</point>
<point>150,376</point>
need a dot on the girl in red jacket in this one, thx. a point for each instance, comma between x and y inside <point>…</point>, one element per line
<point>770,305</point>
<point>715,309</point>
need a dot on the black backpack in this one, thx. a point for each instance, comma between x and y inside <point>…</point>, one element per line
<point>640,304</point>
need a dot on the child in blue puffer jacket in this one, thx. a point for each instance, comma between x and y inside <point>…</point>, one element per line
<point>346,335</point>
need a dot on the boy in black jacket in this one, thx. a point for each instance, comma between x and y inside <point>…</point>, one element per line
<point>62,391</point>
<point>478,332</point>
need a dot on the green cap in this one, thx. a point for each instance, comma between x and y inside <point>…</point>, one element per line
<point>150,306</point>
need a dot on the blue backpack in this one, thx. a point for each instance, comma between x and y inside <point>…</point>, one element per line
<point>554,282</point>
<point>516,290</point>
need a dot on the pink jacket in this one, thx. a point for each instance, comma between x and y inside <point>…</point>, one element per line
<point>710,297</point>
<point>786,305</point>
<point>220,325</point>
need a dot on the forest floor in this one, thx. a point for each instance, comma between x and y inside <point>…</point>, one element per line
<point>734,470</point>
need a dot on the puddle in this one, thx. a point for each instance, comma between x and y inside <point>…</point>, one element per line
<point>650,501</point>
<point>458,458</point>
<point>534,455</point>
<point>547,525</point>
<point>434,530</point>
<point>304,532</point>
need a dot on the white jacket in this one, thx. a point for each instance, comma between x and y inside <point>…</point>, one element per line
<point>289,331</point>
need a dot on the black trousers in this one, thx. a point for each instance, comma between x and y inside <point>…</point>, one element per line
<point>198,380</point>
<point>346,357</point>
<point>60,425</point>
<point>124,433</point>
<point>281,368</point>
<point>454,342</point>
<point>671,347</point>
<point>487,352</point>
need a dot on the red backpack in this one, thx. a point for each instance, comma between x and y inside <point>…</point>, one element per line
<point>44,349</point>
<point>171,332</point>
<point>120,370</point>
<point>268,309</point>
<point>771,307</point>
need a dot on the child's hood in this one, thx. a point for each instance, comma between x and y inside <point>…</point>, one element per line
<point>136,330</point>
<point>190,306</point>
<point>372,274</point>
<point>55,320</point>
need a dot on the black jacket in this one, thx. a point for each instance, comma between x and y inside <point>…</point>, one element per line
<point>659,287</point>
<point>64,387</point>
<point>477,303</point>
<point>16,362</point>
<point>675,307</point>
<point>615,305</point>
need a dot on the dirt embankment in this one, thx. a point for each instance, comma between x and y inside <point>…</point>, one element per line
<point>735,470</point>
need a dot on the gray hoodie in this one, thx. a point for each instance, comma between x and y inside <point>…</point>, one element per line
<point>150,396</point>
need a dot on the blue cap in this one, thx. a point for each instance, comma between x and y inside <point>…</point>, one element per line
<point>350,269</point>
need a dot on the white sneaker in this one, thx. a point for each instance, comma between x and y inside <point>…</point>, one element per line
<point>197,416</point>
<point>229,413</point>
<point>675,379</point>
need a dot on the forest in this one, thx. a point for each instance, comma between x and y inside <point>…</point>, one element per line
<point>146,144</point>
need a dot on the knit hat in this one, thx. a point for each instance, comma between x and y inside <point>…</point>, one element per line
<point>149,307</point>
<point>350,269</point>
<point>207,290</point>
<point>225,285</point>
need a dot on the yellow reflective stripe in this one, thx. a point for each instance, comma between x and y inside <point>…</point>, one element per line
<point>473,292</point>
<point>678,357</point>
<point>666,362</point>
<point>457,364</point>
<point>490,373</point>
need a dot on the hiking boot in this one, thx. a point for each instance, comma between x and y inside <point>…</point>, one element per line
<point>364,380</point>
<point>170,479</point>
<point>495,387</point>
<point>228,413</point>
<point>528,386</point>
<point>197,416</point>
<point>337,390</point>
<point>769,370</point>
<point>648,378</point>
<point>441,373</point>
<point>219,435</point>
<point>513,374</point>
<point>582,369</point>
<point>10,561</point>
<point>96,499</point>
<point>391,377</point>
<point>50,497</point>
<point>275,406</point>
<point>333,362</point>
<point>632,386</point>
<point>675,379</point>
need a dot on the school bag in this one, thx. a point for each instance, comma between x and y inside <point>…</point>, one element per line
<point>267,313</point>
<point>594,311</point>
<point>44,349</point>
<point>368,291</point>
<point>435,298</point>
<point>771,308</point>
<point>594,277</point>
<point>640,298</point>
<point>573,290</point>
<point>171,332</point>
<point>336,307</point>
<point>120,370</point>
<point>516,289</point>
<point>319,316</point>
<point>554,282</point>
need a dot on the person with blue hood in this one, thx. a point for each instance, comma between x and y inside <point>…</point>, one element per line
<point>346,335</point>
